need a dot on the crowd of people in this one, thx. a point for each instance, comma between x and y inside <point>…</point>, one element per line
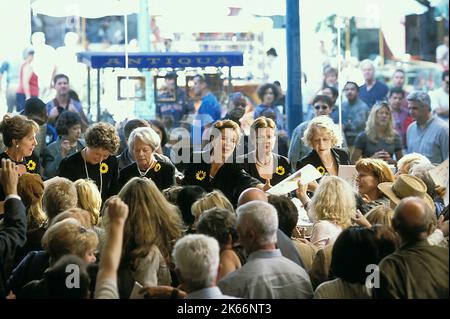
<point>129,207</point>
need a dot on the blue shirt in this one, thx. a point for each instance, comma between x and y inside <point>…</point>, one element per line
<point>354,117</point>
<point>430,141</point>
<point>174,110</point>
<point>378,92</point>
<point>276,109</point>
<point>208,112</point>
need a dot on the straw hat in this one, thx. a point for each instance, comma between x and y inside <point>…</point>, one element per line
<point>405,186</point>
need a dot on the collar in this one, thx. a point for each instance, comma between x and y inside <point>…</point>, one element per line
<point>427,123</point>
<point>262,253</point>
<point>420,243</point>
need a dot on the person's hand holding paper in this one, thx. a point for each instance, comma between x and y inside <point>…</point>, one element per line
<point>305,175</point>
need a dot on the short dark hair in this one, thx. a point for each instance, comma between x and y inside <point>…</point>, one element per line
<point>323,98</point>
<point>60,76</point>
<point>444,74</point>
<point>263,88</point>
<point>35,110</point>
<point>65,121</point>
<point>396,91</point>
<point>353,83</point>
<point>333,90</point>
<point>287,213</point>
<point>132,124</point>
<point>399,70</point>
<point>353,250</point>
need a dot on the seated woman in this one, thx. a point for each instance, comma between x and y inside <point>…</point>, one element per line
<point>380,140</point>
<point>214,170</point>
<point>152,226</point>
<point>19,137</point>
<point>372,172</point>
<point>142,143</point>
<point>322,135</point>
<point>221,224</point>
<point>330,209</point>
<point>263,164</point>
<point>68,127</point>
<point>96,161</point>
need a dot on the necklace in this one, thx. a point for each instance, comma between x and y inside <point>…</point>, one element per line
<point>258,163</point>
<point>87,174</point>
<point>148,169</point>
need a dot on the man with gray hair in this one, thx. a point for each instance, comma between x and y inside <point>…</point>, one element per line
<point>372,90</point>
<point>428,134</point>
<point>196,259</point>
<point>416,269</point>
<point>267,274</point>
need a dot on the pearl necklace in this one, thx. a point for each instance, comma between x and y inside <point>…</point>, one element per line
<point>87,174</point>
<point>143,174</point>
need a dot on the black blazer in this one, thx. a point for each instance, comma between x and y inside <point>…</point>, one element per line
<point>281,168</point>
<point>231,179</point>
<point>163,174</point>
<point>341,156</point>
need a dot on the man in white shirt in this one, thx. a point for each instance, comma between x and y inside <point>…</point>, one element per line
<point>439,98</point>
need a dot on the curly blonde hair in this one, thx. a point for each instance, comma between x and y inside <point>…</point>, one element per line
<point>324,124</point>
<point>103,135</point>
<point>214,199</point>
<point>334,200</point>
<point>152,220</point>
<point>371,125</point>
<point>89,198</point>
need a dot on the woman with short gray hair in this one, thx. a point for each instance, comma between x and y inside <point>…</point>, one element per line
<point>142,143</point>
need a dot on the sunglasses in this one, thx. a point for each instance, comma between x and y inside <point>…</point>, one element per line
<point>323,107</point>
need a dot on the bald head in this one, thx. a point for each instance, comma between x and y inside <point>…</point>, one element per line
<point>413,219</point>
<point>251,194</point>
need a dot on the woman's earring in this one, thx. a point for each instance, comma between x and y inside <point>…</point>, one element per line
<point>17,145</point>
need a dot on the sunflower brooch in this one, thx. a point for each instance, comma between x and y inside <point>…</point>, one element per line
<point>200,175</point>
<point>104,168</point>
<point>280,170</point>
<point>31,165</point>
<point>321,169</point>
<point>157,167</point>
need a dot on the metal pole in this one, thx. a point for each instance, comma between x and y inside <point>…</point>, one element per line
<point>294,90</point>
<point>339,65</point>
<point>230,85</point>
<point>98,95</point>
<point>89,89</point>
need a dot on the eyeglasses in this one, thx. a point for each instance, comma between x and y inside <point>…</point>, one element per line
<point>323,107</point>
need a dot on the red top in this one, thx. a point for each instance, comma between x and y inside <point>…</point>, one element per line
<point>34,86</point>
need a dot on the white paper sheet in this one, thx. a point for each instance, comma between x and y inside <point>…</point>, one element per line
<point>439,175</point>
<point>308,174</point>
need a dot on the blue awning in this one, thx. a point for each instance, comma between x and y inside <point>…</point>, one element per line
<point>98,60</point>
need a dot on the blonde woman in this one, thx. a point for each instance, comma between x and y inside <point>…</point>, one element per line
<point>152,226</point>
<point>89,198</point>
<point>379,140</point>
<point>263,163</point>
<point>214,199</point>
<point>330,209</point>
<point>322,135</point>
<point>372,172</point>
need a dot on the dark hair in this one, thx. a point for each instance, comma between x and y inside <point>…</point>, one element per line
<point>399,70</point>
<point>65,121</point>
<point>132,124</point>
<point>74,95</point>
<point>323,98</point>
<point>36,110</point>
<point>333,90</point>
<point>277,83</point>
<point>218,223</point>
<point>60,76</point>
<point>396,91</point>
<point>354,249</point>
<point>287,213</point>
<point>444,74</point>
<point>160,126</point>
<point>263,88</point>
<point>353,83</point>
<point>103,135</point>
<point>187,196</point>
<point>387,240</point>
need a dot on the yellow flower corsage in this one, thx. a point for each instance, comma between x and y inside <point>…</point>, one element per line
<point>321,169</point>
<point>104,168</point>
<point>200,175</point>
<point>31,165</point>
<point>280,170</point>
<point>157,167</point>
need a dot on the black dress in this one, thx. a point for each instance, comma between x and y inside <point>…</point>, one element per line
<point>31,163</point>
<point>281,167</point>
<point>105,174</point>
<point>163,174</point>
<point>341,156</point>
<point>231,179</point>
